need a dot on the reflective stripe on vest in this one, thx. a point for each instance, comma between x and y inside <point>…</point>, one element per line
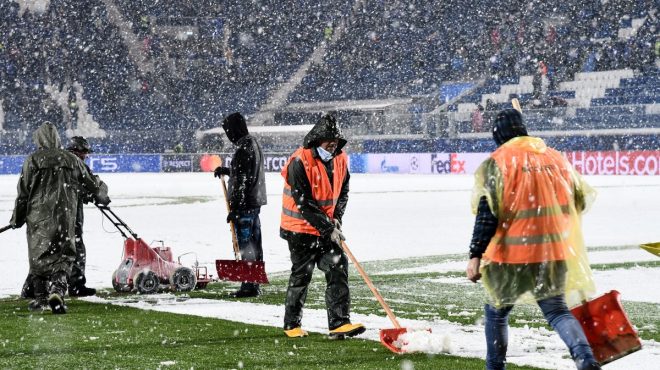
<point>325,196</point>
<point>537,194</point>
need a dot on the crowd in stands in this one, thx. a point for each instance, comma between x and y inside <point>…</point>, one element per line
<point>72,41</point>
<point>583,38</point>
<point>240,50</point>
<point>400,48</point>
<point>212,59</point>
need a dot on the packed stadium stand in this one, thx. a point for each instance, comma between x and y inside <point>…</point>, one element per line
<point>402,76</point>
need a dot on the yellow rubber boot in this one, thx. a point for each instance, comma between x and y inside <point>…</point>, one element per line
<point>345,330</point>
<point>296,333</point>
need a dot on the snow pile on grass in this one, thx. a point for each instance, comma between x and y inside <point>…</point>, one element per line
<point>421,340</point>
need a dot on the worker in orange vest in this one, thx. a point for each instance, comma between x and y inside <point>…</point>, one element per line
<point>315,195</point>
<point>527,198</point>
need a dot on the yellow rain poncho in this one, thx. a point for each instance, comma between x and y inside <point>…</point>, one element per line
<point>537,251</point>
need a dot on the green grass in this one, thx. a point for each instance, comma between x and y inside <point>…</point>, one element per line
<point>421,296</point>
<point>107,336</point>
<point>99,336</point>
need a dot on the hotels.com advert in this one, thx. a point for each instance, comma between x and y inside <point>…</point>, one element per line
<point>616,163</point>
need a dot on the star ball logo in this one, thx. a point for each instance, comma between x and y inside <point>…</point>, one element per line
<point>414,164</point>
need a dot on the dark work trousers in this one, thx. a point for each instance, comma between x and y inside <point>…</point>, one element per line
<point>77,277</point>
<point>330,259</point>
<point>42,286</point>
<point>248,234</point>
<point>39,286</point>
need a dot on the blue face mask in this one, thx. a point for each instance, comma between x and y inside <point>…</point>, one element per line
<point>324,154</point>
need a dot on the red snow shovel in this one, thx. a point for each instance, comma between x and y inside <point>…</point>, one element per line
<point>606,325</point>
<point>388,337</point>
<point>238,270</point>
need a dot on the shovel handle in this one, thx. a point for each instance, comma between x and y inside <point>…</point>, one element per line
<point>371,286</point>
<point>5,228</point>
<point>516,104</point>
<point>237,253</point>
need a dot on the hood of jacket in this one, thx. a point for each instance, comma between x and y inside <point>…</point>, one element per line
<point>46,137</point>
<point>508,124</point>
<point>326,128</point>
<point>235,127</point>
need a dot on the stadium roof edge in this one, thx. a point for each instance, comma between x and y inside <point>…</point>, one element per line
<point>258,130</point>
<point>554,133</point>
<point>348,105</point>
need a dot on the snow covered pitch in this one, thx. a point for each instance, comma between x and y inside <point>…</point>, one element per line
<point>388,217</point>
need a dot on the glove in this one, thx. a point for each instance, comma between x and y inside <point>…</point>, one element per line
<point>102,200</point>
<point>337,223</point>
<point>233,216</point>
<point>221,171</point>
<point>336,236</point>
<point>87,198</point>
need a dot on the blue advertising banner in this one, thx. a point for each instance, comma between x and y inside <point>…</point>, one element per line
<point>125,163</point>
<point>11,164</point>
<point>358,163</point>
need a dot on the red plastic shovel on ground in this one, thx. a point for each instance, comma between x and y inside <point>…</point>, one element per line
<point>389,337</point>
<point>237,269</point>
<point>606,325</point>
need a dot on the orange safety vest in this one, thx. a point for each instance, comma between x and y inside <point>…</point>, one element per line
<point>325,195</point>
<point>534,220</point>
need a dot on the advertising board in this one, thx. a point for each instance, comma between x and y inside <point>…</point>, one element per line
<point>616,163</point>
<point>124,163</point>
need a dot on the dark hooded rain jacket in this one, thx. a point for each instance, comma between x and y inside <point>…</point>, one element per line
<point>247,183</point>
<point>51,182</point>
<point>325,129</point>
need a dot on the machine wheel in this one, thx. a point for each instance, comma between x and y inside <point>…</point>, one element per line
<point>146,282</point>
<point>118,287</point>
<point>183,279</point>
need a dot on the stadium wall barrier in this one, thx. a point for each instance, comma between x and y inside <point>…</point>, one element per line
<point>636,163</point>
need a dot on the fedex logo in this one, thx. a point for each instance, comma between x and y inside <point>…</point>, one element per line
<point>457,165</point>
<point>440,163</point>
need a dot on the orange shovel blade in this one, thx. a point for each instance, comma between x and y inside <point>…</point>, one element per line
<point>390,339</point>
<point>243,271</point>
<point>607,327</point>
